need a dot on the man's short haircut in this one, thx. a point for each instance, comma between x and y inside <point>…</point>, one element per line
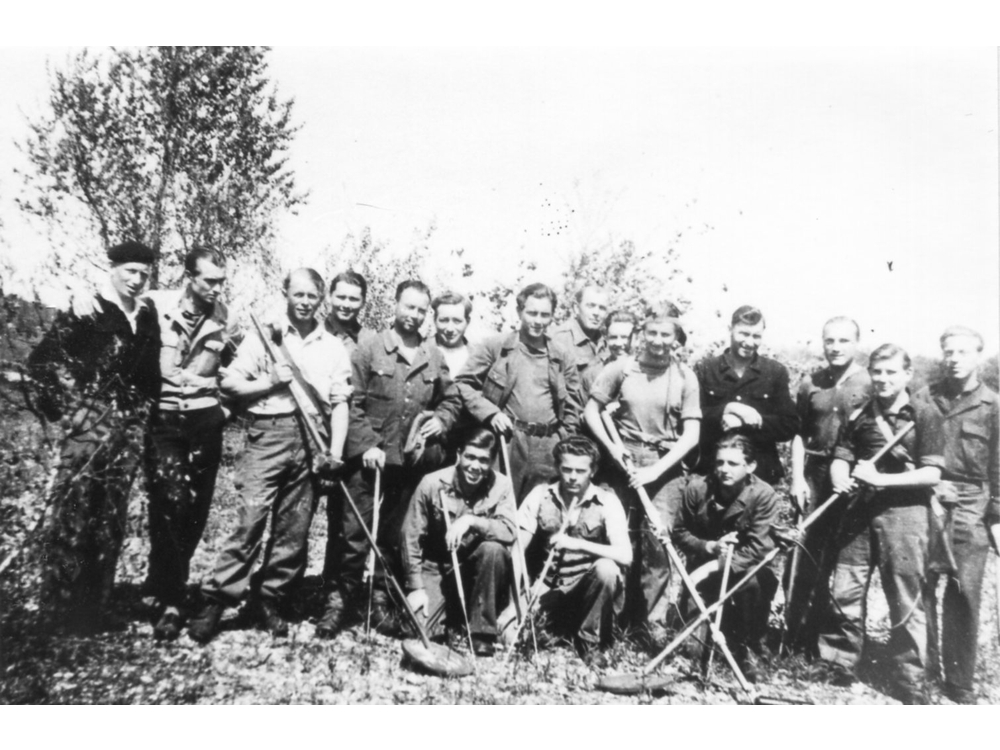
<point>579,292</point>
<point>416,284</point>
<point>577,445</point>
<point>453,298</point>
<point>889,351</point>
<point>747,315</point>
<point>741,443</point>
<point>199,252</point>
<point>844,319</point>
<point>313,275</point>
<point>482,438</point>
<point>538,291</point>
<point>962,331</point>
<point>354,279</point>
<point>620,316</point>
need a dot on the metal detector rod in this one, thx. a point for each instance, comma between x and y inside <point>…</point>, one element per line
<point>534,595</point>
<point>385,568</point>
<point>458,574</point>
<point>521,582</point>
<point>726,568</point>
<point>370,563</point>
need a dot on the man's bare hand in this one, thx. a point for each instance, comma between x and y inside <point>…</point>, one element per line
<point>718,547</point>
<point>431,428</point>
<point>866,472</point>
<point>281,375</point>
<point>457,531</point>
<point>800,494</point>
<point>640,477</point>
<point>747,414</point>
<point>501,423</point>
<point>567,542</point>
<point>619,453</point>
<point>373,458</point>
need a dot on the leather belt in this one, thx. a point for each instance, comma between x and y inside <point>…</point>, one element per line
<point>536,429</point>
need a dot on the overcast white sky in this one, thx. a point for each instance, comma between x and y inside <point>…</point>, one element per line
<point>796,176</point>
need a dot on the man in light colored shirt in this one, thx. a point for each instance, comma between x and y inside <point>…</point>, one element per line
<point>452,313</point>
<point>584,589</point>
<point>276,469</point>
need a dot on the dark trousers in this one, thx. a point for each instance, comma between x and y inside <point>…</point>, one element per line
<point>87,515</point>
<point>744,615</point>
<point>274,480</point>
<point>810,595</point>
<point>532,462</point>
<point>894,537</point>
<point>959,636</point>
<point>183,451</point>
<point>347,546</point>
<point>587,606</point>
<point>486,579</point>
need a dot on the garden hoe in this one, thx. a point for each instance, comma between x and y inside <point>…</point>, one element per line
<point>433,658</point>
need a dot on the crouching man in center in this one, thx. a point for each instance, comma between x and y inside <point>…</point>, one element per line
<point>479,527</point>
<point>584,589</point>
<point>731,512</point>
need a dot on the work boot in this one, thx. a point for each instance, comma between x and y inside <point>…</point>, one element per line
<point>832,673</point>
<point>204,626</point>
<point>961,696</point>
<point>168,626</point>
<point>265,613</point>
<point>483,645</point>
<point>383,619</point>
<point>337,616</point>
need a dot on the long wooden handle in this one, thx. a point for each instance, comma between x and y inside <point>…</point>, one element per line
<point>385,568</point>
<point>458,574</point>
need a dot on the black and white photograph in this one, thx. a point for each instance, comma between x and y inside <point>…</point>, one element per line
<point>499,375</point>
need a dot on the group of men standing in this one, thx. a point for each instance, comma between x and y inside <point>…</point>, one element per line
<point>484,466</point>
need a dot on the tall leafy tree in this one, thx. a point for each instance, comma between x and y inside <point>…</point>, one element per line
<point>172,146</point>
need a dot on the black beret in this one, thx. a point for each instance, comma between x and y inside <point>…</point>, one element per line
<point>131,252</point>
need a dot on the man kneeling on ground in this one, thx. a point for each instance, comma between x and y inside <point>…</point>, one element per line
<point>731,507</point>
<point>584,589</point>
<point>479,528</point>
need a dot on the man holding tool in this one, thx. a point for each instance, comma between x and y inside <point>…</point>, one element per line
<point>967,508</point>
<point>731,510</point>
<point>525,386</point>
<point>885,525</point>
<point>403,406</point>
<point>582,583</point>
<point>659,418</point>
<point>826,398</point>
<point>291,373</point>
<point>462,517</point>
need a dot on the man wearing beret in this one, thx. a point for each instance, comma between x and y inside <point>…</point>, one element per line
<point>97,376</point>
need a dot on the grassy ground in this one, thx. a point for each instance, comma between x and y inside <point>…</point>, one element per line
<point>244,665</point>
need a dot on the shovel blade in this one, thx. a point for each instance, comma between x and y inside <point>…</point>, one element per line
<point>630,683</point>
<point>437,660</point>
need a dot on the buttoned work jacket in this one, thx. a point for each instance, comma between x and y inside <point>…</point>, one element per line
<point>389,394</point>
<point>489,376</point>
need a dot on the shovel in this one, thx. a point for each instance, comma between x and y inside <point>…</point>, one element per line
<point>433,658</point>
